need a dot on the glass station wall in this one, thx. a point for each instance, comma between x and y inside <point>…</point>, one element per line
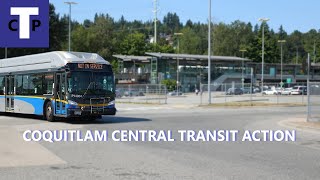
<point>192,74</point>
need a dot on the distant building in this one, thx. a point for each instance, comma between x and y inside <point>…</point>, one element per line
<point>193,70</point>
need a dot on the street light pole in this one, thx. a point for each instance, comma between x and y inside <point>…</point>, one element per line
<point>281,42</point>
<point>262,20</point>
<point>155,20</point>
<point>242,73</point>
<point>209,55</point>
<point>70,4</point>
<point>178,34</point>
<point>297,55</point>
<point>314,51</point>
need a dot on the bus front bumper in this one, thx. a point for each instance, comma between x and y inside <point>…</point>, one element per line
<point>77,112</point>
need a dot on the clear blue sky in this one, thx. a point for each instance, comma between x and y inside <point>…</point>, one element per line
<point>292,14</point>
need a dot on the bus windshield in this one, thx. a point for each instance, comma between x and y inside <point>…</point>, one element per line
<point>88,82</point>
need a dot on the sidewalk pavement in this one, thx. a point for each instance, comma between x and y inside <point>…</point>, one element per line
<point>301,124</point>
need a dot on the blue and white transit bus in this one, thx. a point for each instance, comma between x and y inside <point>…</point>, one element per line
<point>57,84</point>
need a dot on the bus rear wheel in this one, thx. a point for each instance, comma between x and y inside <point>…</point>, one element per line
<point>49,112</point>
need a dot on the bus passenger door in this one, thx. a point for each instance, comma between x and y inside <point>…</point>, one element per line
<point>9,93</point>
<point>60,96</point>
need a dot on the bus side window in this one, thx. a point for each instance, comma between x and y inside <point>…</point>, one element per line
<point>2,83</point>
<point>35,84</point>
<point>48,84</point>
<point>19,83</point>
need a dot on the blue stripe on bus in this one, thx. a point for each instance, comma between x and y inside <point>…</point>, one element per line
<point>37,103</point>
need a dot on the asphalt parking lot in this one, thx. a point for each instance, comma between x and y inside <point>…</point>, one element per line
<point>162,160</point>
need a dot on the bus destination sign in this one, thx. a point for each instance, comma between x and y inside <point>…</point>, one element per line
<point>90,66</point>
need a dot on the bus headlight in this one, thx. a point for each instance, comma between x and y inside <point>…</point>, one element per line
<point>72,103</point>
<point>111,103</point>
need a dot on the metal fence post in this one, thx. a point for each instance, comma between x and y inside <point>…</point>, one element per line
<point>225,93</point>
<point>129,94</point>
<point>201,91</point>
<point>165,94</point>
<point>308,90</point>
<point>159,93</point>
<point>147,93</point>
<point>251,83</point>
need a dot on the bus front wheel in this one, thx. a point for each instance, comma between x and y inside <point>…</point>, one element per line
<point>49,112</point>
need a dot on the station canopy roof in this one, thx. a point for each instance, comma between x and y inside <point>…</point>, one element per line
<point>185,59</point>
<point>195,57</point>
<point>133,58</point>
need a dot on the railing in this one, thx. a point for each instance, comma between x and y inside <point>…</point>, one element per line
<point>250,94</point>
<point>141,93</point>
<point>314,102</point>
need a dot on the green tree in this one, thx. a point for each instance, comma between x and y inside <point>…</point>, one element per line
<point>100,36</point>
<point>295,47</point>
<point>166,48</point>
<point>189,42</point>
<point>58,33</point>
<point>171,23</point>
<point>311,44</point>
<point>80,39</point>
<point>171,84</point>
<point>133,44</point>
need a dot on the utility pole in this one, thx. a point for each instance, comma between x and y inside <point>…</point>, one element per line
<point>70,4</point>
<point>308,88</point>
<point>209,54</point>
<point>314,52</point>
<point>6,53</point>
<point>242,73</point>
<point>297,58</point>
<point>155,21</point>
<point>281,42</point>
<point>263,21</point>
<point>178,34</point>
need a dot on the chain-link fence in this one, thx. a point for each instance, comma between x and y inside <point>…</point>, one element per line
<point>254,94</point>
<point>314,102</point>
<point>141,93</point>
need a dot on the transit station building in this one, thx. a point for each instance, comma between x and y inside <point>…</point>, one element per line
<point>192,70</point>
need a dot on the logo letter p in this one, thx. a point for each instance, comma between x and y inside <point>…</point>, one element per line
<point>24,14</point>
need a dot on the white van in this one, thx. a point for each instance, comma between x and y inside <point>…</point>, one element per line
<point>298,90</point>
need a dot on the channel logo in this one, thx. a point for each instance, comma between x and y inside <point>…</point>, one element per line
<point>24,23</point>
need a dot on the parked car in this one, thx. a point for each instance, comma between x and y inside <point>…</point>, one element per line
<point>256,89</point>
<point>279,90</point>
<point>119,94</point>
<point>174,93</point>
<point>246,90</point>
<point>305,91</point>
<point>314,90</point>
<point>286,91</point>
<point>297,90</point>
<point>270,92</point>
<point>133,93</point>
<point>234,91</point>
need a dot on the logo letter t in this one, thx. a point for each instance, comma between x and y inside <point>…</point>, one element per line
<point>24,14</point>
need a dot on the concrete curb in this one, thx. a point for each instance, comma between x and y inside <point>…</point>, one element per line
<point>301,124</point>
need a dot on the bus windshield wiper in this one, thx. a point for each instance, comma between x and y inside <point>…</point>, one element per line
<point>85,93</point>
